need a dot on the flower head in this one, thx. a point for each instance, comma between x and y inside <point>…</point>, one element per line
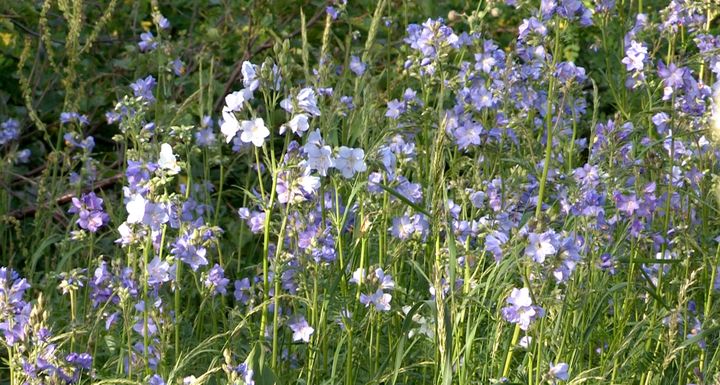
<point>143,89</point>
<point>254,131</point>
<point>216,280</point>
<point>147,42</point>
<point>349,161</point>
<point>89,208</point>
<point>559,371</point>
<point>167,160</point>
<point>521,310</point>
<point>301,330</point>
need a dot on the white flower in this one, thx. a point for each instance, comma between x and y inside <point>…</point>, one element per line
<point>254,131</point>
<point>349,161</point>
<point>308,184</point>
<point>298,125</point>
<point>425,327</point>
<point>386,281</point>
<point>236,100</point>
<point>135,208</point>
<point>358,276</point>
<point>249,73</point>
<point>230,126</point>
<point>715,116</point>
<point>319,155</point>
<point>319,158</point>
<point>525,342</point>
<point>382,300</point>
<point>126,234</point>
<point>305,100</point>
<point>167,160</point>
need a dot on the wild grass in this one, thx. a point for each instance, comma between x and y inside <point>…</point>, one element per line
<point>523,193</point>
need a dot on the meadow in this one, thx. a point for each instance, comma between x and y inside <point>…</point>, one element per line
<point>359,192</point>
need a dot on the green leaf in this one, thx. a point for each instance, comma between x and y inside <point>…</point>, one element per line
<point>397,195</point>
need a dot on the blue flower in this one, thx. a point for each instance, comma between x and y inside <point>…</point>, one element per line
<point>216,280</point>
<point>521,310</point>
<point>143,88</point>
<point>147,42</point>
<point>357,66</point>
<point>559,371</point>
<point>635,56</point>
<point>394,109</point>
<point>89,208</point>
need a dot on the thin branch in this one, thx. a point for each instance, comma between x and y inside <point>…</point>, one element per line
<point>67,197</point>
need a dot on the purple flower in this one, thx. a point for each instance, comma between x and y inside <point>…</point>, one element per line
<point>143,89</point>
<point>661,121</point>
<point>402,227</point>
<point>635,56</point>
<point>23,156</point>
<point>86,144</point>
<point>541,245</point>
<point>568,71</point>
<point>251,81</point>
<point>9,131</point>
<point>301,330</point>
<point>386,281</point>
<point>156,380</point>
<point>468,135</point>
<point>163,22</point>
<point>394,109</point>
<point>482,98</point>
<point>147,42</point>
<point>185,250</point>
<point>379,299</point>
<point>521,310</point>
<point>178,67</point>
<point>411,191</point>
<point>74,117</point>
<point>216,280</point>
<point>672,75</point>
<point>494,242</point>
<point>159,272</point>
<point>255,219</point>
<point>431,37</point>
<point>305,100</point>
<point>531,26</point>
<point>626,203</point>
<point>80,360</point>
<point>357,66</point>
<point>603,6</point>
<point>15,311</point>
<point>246,373</point>
<point>607,263</point>
<point>242,291</point>
<point>205,137</point>
<point>559,371</point>
<point>155,215</point>
<point>89,208</point>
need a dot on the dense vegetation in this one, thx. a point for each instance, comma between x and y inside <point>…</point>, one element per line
<point>390,192</point>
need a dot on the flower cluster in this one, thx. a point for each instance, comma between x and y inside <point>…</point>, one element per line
<point>521,310</point>
<point>89,209</point>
